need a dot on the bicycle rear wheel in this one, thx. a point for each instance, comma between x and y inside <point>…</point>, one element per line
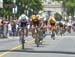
<point>22,42</point>
<point>53,35</point>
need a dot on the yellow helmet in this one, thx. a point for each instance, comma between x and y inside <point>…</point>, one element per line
<point>14,21</point>
<point>33,17</point>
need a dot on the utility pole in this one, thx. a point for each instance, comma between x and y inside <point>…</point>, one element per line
<point>14,1</point>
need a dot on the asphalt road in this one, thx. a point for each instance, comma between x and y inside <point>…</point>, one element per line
<point>60,47</point>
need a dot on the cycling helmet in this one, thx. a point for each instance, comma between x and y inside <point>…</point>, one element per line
<point>38,17</point>
<point>14,21</point>
<point>33,17</point>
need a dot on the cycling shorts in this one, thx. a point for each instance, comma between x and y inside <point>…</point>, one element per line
<point>52,24</point>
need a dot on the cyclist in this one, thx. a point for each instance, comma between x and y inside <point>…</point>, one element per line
<point>44,26</point>
<point>35,24</point>
<point>23,22</point>
<point>61,27</point>
<point>73,26</point>
<point>52,24</point>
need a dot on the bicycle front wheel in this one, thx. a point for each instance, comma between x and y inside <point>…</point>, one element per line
<point>22,42</point>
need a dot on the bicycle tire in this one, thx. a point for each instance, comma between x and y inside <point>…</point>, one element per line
<point>36,39</point>
<point>22,41</point>
<point>53,36</point>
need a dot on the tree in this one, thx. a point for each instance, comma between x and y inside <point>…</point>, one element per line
<point>57,16</point>
<point>69,5</point>
<point>33,6</point>
<point>7,9</point>
<point>70,8</point>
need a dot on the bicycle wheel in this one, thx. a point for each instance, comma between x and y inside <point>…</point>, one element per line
<point>61,32</point>
<point>53,35</point>
<point>41,36</point>
<point>37,42</point>
<point>37,39</point>
<point>69,30</point>
<point>22,41</point>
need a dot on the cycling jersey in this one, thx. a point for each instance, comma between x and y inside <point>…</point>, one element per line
<point>23,20</point>
<point>23,23</point>
<point>36,23</point>
<point>60,24</point>
<point>51,21</point>
<point>34,20</point>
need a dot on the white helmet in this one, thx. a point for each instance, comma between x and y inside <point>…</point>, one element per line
<point>23,16</point>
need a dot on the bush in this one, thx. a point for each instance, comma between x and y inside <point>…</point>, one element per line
<point>57,16</point>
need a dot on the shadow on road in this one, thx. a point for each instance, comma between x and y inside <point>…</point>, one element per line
<point>30,50</point>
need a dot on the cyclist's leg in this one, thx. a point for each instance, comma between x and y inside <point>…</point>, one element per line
<point>44,30</point>
<point>26,31</point>
<point>49,28</point>
<point>20,34</point>
<point>53,29</point>
<point>33,30</point>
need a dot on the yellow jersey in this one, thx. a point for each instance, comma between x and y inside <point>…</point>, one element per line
<point>51,20</point>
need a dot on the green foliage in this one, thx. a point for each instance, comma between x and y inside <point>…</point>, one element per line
<point>57,16</point>
<point>36,5</point>
<point>69,5</point>
<point>6,10</point>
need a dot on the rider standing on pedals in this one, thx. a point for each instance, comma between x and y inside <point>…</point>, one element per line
<point>35,23</point>
<point>52,24</point>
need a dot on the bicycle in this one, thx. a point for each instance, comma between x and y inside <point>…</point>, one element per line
<point>61,31</point>
<point>53,35</point>
<point>22,36</point>
<point>37,40</point>
<point>42,35</point>
<point>53,31</point>
<point>69,29</point>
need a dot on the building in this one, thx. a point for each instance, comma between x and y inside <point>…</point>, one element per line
<point>51,7</point>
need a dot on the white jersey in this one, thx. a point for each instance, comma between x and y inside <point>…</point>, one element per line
<point>23,16</point>
<point>68,24</point>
